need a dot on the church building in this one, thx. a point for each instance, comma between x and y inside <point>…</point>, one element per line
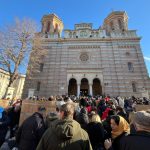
<point>87,61</point>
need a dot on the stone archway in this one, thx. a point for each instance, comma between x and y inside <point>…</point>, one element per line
<point>84,88</point>
<point>72,87</point>
<point>97,88</point>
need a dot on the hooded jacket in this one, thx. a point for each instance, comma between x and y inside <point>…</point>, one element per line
<point>65,134</point>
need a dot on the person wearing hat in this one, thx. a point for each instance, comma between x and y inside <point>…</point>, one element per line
<point>31,130</point>
<point>4,122</point>
<point>141,139</point>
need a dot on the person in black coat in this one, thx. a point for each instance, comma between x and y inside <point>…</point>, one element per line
<point>14,115</point>
<point>140,140</point>
<point>31,131</point>
<point>121,112</point>
<point>106,124</point>
<point>4,122</point>
<point>95,131</point>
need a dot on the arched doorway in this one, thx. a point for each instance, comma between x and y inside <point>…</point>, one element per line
<point>84,89</point>
<point>97,88</point>
<point>72,88</point>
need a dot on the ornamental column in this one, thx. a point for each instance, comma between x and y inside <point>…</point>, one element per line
<point>91,90</point>
<point>78,90</point>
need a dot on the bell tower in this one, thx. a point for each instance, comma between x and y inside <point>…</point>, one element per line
<point>116,21</point>
<point>52,26</point>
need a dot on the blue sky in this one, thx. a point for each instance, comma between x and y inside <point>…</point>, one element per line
<point>77,11</point>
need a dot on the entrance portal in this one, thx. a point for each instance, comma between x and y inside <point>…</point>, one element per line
<point>84,89</point>
<point>84,92</point>
<point>72,88</point>
<point>97,88</point>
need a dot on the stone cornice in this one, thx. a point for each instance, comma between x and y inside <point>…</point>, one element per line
<point>84,46</point>
<point>126,46</point>
<point>93,40</point>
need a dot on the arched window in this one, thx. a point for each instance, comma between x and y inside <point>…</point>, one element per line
<point>92,33</point>
<point>70,34</point>
<point>82,34</point>
<point>134,87</point>
<point>48,26</point>
<point>72,88</point>
<point>41,67</point>
<point>130,67</point>
<point>97,34</point>
<point>74,35</point>
<point>56,28</point>
<point>120,24</point>
<point>112,25</point>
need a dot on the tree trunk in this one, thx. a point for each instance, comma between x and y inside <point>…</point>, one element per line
<point>9,85</point>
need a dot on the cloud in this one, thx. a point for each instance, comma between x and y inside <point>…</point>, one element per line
<point>147,58</point>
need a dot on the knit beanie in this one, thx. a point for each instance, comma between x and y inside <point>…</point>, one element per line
<point>143,118</point>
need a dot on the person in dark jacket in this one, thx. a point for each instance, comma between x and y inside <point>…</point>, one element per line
<point>121,112</point>
<point>101,107</point>
<point>106,124</point>
<point>14,115</point>
<point>4,122</point>
<point>140,140</point>
<point>65,133</point>
<point>31,131</point>
<point>83,118</point>
<point>95,131</point>
<point>120,129</point>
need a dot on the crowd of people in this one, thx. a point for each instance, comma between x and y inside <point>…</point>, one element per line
<point>84,123</point>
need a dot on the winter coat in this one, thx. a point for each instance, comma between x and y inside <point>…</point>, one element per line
<point>107,127</point>
<point>121,102</point>
<point>4,122</point>
<point>105,113</point>
<point>138,141</point>
<point>30,132</point>
<point>65,134</point>
<point>116,144</point>
<point>14,117</point>
<point>83,118</point>
<point>95,131</point>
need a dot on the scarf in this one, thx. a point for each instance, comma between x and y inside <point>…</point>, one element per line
<point>122,127</point>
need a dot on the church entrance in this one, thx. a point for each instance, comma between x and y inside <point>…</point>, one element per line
<point>72,88</point>
<point>84,89</point>
<point>84,92</point>
<point>97,88</point>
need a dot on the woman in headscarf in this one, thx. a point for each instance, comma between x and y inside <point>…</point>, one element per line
<point>120,129</point>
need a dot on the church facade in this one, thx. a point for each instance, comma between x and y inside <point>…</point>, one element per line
<point>87,61</point>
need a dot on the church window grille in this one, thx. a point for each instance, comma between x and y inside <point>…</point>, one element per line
<point>84,57</point>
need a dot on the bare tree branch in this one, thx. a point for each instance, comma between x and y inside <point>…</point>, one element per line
<point>18,46</point>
